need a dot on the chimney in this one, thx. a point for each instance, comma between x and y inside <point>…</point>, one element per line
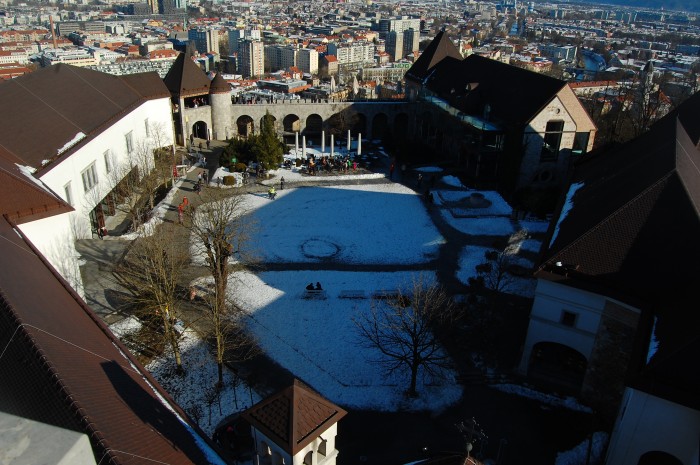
<point>53,32</point>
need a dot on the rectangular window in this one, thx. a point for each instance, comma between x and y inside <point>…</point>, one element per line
<point>580,143</point>
<point>108,160</point>
<point>552,141</point>
<point>568,318</point>
<point>148,129</point>
<point>492,141</point>
<point>69,193</point>
<point>128,137</point>
<point>89,176</point>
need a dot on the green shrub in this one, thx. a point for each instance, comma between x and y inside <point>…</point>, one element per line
<point>229,181</point>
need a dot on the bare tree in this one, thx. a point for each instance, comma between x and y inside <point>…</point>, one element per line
<point>402,328</point>
<point>150,273</point>
<point>220,231</point>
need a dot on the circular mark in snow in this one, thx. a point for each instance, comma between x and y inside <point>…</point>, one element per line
<point>319,248</point>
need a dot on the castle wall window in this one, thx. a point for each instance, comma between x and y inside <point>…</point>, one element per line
<point>552,141</point>
<point>580,143</point>
<point>568,318</point>
<point>69,193</point>
<point>129,139</point>
<point>89,176</point>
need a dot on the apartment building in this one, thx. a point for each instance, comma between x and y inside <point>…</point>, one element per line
<point>251,58</point>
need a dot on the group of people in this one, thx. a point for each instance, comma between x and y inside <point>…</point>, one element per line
<point>329,164</point>
<point>202,179</point>
<point>311,287</point>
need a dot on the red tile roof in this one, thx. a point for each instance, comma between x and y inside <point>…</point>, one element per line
<point>62,101</point>
<point>294,417</point>
<point>61,365</point>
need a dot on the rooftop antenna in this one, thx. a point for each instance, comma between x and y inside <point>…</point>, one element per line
<point>473,434</point>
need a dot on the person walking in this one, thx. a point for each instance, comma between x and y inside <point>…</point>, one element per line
<point>282,183</point>
<point>180,212</point>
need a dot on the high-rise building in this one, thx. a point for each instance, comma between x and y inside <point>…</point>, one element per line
<point>402,35</point>
<point>307,60</point>
<point>280,57</point>
<point>205,40</point>
<point>234,36</point>
<point>251,58</point>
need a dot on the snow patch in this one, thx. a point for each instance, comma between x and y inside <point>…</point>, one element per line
<point>653,342</point>
<point>568,205</point>
<point>77,138</point>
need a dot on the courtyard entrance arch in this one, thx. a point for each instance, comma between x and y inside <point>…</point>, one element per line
<point>245,126</point>
<point>200,130</point>
<point>557,366</point>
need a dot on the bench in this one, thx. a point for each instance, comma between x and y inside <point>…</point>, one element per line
<point>352,294</point>
<point>316,294</point>
<point>384,294</point>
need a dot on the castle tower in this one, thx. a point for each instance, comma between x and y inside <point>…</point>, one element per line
<point>295,427</point>
<point>220,98</point>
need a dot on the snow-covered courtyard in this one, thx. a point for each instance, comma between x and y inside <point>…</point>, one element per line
<point>360,241</point>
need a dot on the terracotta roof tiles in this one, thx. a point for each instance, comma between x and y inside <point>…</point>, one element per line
<point>293,417</point>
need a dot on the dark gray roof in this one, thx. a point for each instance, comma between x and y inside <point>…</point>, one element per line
<point>631,232</point>
<point>440,48</point>
<point>219,85</point>
<point>514,95</point>
<point>186,79</point>
<point>45,110</point>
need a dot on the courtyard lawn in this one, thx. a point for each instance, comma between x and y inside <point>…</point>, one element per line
<point>368,224</point>
<point>316,339</point>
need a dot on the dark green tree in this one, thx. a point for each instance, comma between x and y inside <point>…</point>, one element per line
<point>267,148</point>
<point>240,150</point>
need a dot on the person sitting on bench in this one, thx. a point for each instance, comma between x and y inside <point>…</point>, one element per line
<point>318,286</point>
<point>310,287</point>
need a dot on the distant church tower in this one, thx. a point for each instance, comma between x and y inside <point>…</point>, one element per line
<point>295,427</point>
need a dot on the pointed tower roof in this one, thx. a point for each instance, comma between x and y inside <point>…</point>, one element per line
<point>439,48</point>
<point>185,78</point>
<point>294,417</point>
<point>219,85</point>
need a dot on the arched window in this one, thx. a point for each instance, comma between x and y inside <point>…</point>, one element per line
<point>657,457</point>
<point>322,447</point>
<point>308,458</point>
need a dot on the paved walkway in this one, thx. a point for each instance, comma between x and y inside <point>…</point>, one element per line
<point>519,429</point>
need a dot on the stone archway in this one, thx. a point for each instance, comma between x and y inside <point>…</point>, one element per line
<point>200,130</point>
<point>360,124</point>
<point>314,124</point>
<point>425,126</point>
<point>557,366</point>
<point>291,123</point>
<point>245,126</point>
<point>272,118</point>
<point>657,457</point>
<point>401,125</point>
<point>380,126</point>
